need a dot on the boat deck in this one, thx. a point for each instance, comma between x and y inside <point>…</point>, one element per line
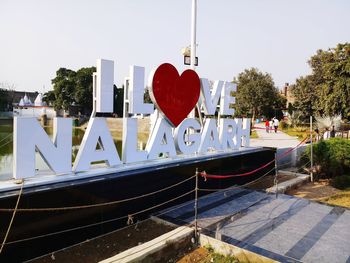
<point>286,228</point>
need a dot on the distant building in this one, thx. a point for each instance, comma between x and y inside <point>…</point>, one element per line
<point>30,106</point>
<point>287,93</point>
<point>15,98</point>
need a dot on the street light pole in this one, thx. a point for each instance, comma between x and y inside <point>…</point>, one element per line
<point>193,44</point>
<point>193,34</point>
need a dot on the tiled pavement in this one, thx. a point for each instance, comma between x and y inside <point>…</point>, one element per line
<point>286,228</point>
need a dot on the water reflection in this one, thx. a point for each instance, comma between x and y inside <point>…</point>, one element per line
<point>6,149</point>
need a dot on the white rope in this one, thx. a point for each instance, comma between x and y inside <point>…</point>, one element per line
<point>41,209</point>
<point>6,143</point>
<point>8,135</point>
<point>12,218</point>
<point>98,223</point>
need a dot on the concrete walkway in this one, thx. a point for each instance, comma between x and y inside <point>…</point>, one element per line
<point>272,139</point>
<point>285,229</point>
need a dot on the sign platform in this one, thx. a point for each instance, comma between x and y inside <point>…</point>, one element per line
<point>99,192</point>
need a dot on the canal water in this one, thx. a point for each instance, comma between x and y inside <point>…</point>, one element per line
<point>6,149</point>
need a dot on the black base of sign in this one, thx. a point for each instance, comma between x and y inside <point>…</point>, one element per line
<point>107,188</point>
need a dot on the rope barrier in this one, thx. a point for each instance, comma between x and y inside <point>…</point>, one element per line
<point>12,218</point>
<point>261,128</point>
<point>8,135</point>
<point>98,223</point>
<point>236,187</point>
<point>109,233</point>
<point>6,143</point>
<point>156,206</point>
<point>45,209</point>
<point>205,175</point>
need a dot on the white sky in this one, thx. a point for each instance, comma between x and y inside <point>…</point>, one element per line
<point>277,36</point>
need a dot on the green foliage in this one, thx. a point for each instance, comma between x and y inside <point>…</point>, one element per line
<point>305,95</point>
<point>283,125</point>
<point>3,99</point>
<point>254,135</point>
<point>299,132</point>
<point>341,182</point>
<point>147,97</point>
<point>257,95</point>
<point>84,88</point>
<point>327,90</point>
<point>331,156</point>
<point>218,258</point>
<point>70,87</point>
<point>118,101</point>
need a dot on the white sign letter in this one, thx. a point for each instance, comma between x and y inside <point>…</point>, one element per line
<point>243,132</point>
<point>161,141</point>
<point>228,134</point>
<point>210,137</point>
<point>130,152</point>
<point>137,91</point>
<point>30,136</point>
<point>104,85</point>
<point>210,99</point>
<point>227,99</point>
<point>97,133</point>
<point>193,139</point>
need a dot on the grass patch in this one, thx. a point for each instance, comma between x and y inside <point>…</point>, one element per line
<point>254,135</point>
<point>218,258</point>
<point>299,132</point>
<point>340,199</point>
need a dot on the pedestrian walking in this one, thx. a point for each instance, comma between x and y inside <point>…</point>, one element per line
<point>271,124</point>
<point>332,133</point>
<point>275,124</point>
<point>318,136</point>
<point>326,134</point>
<point>267,125</point>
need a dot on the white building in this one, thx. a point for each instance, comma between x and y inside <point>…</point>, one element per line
<point>26,108</point>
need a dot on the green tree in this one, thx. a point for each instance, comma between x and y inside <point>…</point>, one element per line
<point>84,88</point>
<point>331,71</point>
<point>63,88</point>
<point>257,95</point>
<point>327,89</point>
<point>3,99</point>
<point>304,91</point>
<point>118,100</point>
<point>71,88</point>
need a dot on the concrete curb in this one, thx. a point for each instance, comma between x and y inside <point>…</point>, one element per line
<point>290,184</point>
<point>152,249</point>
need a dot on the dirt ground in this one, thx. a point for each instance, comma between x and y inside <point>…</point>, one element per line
<point>98,249</point>
<point>314,191</point>
<point>268,181</point>
<point>197,255</point>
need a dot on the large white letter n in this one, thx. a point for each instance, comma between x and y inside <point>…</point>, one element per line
<point>29,136</point>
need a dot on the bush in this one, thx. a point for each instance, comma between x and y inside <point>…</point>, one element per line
<point>332,157</point>
<point>284,125</point>
<point>341,182</point>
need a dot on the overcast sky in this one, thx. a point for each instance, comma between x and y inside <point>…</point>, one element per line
<point>39,36</point>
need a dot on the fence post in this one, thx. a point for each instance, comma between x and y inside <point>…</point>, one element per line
<point>196,209</point>
<point>275,181</point>
<point>311,153</point>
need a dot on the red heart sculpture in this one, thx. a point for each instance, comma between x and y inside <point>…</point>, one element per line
<point>175,96</point>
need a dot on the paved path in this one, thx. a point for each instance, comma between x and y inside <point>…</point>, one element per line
<point>272,139</point>
<point>286,229</point>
